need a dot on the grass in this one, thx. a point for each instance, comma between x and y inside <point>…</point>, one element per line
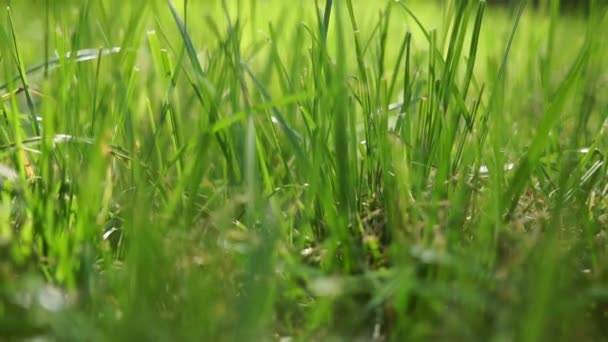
<point>330,170</point>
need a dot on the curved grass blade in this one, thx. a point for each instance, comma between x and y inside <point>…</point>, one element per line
<point>548,121</point>
<point>294,137</point>
<point>79,56</point>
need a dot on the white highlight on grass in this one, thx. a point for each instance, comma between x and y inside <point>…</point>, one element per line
<point>483,169</point>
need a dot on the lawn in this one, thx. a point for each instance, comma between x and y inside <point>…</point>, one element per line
<point>303,170</point>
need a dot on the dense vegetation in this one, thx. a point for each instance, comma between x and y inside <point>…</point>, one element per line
<point>297,170</point>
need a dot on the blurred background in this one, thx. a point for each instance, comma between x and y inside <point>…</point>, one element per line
<point>572,6</point>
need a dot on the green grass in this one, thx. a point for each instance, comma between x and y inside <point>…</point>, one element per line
<point>330,170</point>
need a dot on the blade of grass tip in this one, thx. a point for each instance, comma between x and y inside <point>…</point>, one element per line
<point>472,57</point>
<point>407,84</point>
<point>455,44</point>
<point>365,101</point>
<point>23,76</point>
<point>416,20</point>
<point>208,97</point>
<point>430,121</point>
<point>191,51</point>
<point>473,48</point>
<point>549,119</point>
<point>503,63</point>
<point>438,56</point>
<point>358,47</point>
<point>370,39</point>
<point>326,18</point>
<point>82,24</point>
<point>292,135</point>
<point>285,81</point>
<point>395,73</point>
<point>164,69</point>
<point>127,123</point>
<point>248,146</point>
<point>493,97</point>
<point>172,72</point>
<point>450,125</point>
<point>469,129</point>
<point>384,22</point>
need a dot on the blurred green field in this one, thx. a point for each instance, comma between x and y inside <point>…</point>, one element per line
<point>326,171</point>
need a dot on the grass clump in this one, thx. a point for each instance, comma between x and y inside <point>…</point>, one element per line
<point>232,170</point>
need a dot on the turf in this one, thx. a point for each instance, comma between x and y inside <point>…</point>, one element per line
<point>299,170</point>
